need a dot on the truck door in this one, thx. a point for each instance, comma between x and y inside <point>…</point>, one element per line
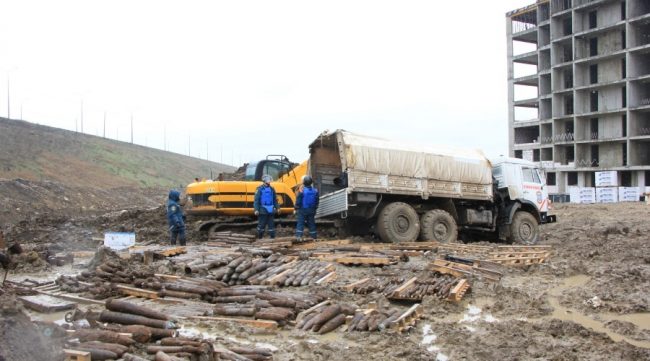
<point>533,188</point>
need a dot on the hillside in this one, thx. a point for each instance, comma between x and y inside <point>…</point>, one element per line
<point>45,169</point>
<point>36,152</point>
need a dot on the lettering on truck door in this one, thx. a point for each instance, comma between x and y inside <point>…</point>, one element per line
<point>533,188</point>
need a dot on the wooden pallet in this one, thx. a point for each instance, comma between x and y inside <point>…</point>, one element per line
<point>365,261</point>
<point>46,304</point>
<point>457,293</point>
<point>518,261</point>
<point>464,270</point>
<point>408,318</point>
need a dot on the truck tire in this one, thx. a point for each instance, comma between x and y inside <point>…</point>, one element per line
<point>398,222</point>
<point>524,228</point>
<point>440,226</point>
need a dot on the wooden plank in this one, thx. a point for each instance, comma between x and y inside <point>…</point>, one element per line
<point>249,322</point>
<point>404,286</point>
<point>68,297</point>
<point>318,244</point>
<point>457,293</point>
<point>374,261</point>
<point>272,280</point>
<point>352,285</point>
<point>46,303</point>
<point>327,278</point>
<point>138,292</point>
<point>171,251</point>
<point>74,355</point>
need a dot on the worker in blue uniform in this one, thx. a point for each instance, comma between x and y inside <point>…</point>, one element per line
<point>175,218</point>
<point>266,206</point>
<point>306,206</point>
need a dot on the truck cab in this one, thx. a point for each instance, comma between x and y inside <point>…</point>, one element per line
<point>523,181</point>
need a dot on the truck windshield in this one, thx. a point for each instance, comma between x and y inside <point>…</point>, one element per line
<point>250,171</point>
<point>530,175</point>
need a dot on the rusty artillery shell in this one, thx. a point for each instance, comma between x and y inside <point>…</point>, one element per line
<point>274,313</point>
<point>235,311</point>
<point>236,262</point>
<point>98,354</point>
<point>174,349</point>
<point>248,350</point>
<point>161,356</point>
<point>355,321</point>
<point>234,299</point>
<point>373,322</point>
<point>127,307</point>
<point>283,302</point>
<point>305,319</point>
<point>131,357</point>
<point>237,292</point>
<point>244,266</point>
<point>103,336</point>
<point>179,341</point>
<point>179,294</point>
<point>112,347</point>
<point>387,322</point>
<point>332,324</point>
<point>256,357</point>
<point>327,314</point>
<point>129,319</point>
<point>189,288</point>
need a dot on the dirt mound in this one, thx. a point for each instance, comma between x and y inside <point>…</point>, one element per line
<point>24,340</point>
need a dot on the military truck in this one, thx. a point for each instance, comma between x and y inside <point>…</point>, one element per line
<point>403,192</point>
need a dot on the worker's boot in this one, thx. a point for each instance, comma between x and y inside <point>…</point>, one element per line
<point>260,234</point>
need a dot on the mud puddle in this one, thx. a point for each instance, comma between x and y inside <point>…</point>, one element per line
<point>641,320</point>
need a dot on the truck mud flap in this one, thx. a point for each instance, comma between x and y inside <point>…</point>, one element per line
<point>549,219</point>
<point>332,203</point>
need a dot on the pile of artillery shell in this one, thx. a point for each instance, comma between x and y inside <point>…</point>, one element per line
<point>437,285</point>
<point>259,302</point>
<point>383,285</point>
<point>326,319</point>
<point>256,271</point>
<point>375,320</point>
<point>250,353</point>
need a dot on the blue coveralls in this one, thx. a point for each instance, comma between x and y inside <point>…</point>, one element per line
<point>175,218</point>
<point>306,205</point>
<point>266,203</point>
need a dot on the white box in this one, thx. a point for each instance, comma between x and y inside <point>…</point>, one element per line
<point>528,155</point>
<point>119,240</point>
<point>582,195</point>
<point>628,194</point>
<point>607,179</point>
<point>607,195</point>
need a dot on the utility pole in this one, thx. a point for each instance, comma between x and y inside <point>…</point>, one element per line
<point>165,137</point>
<point>8,98</point>
<point>82,115</point>
<point>131,128</point>
<point>104,125</point>
<point>76,125</point>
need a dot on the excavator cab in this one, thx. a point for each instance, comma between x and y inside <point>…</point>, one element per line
<point>274,165</point>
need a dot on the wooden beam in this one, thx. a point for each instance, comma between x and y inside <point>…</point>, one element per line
<point>138,292</point>
<point>352,285</point>
<point>68,297</point>
<point>249,322</point>
<point>404,286</point>
<point>327,278</point>
<point>74,355</point>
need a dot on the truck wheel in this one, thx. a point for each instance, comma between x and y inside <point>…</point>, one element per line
<point>398,222</point>
<point>440,226</point>
<point>524,228</point>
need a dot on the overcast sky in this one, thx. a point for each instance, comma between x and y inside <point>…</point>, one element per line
<point>260,77</point>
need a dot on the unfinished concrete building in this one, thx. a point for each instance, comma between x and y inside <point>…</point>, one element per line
<point>579,89</point>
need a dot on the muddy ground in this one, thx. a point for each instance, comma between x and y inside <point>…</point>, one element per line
<point>589,301</point>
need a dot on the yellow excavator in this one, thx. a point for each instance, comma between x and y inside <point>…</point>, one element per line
<point>221,204</point>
